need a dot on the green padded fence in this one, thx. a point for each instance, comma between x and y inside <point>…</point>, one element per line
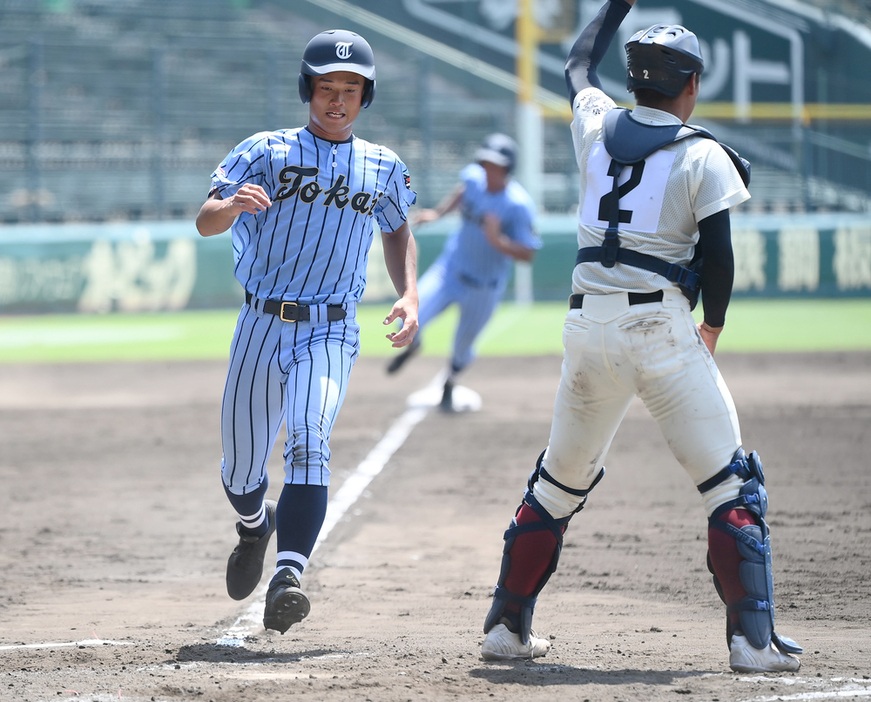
<point>152,266</point>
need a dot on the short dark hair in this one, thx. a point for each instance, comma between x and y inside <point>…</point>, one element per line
<point>651,97</point>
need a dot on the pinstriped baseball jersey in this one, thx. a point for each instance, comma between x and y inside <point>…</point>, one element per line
<point>668,194</point>
<point>468,251</point>
<point>470,272</point>
<point>312,244</point>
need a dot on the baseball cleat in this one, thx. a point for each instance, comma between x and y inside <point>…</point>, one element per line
<point>286,604</point>
<point>743,658</point>
<point>245,565</point>
<point>399,359</point>
<point>447,401</point>
<point>502,644</point>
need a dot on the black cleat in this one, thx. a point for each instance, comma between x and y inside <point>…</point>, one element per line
<point>447,401</point>
<point>245,566</point>
<point>399,359</point>
<point>286,604</point>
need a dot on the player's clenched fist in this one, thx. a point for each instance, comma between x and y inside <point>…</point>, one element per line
<point>217,214</point>
<point>250,198</point>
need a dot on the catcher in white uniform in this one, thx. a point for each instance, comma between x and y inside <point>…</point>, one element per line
<point>653,232</point>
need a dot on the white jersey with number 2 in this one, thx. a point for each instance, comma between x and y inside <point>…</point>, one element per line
<point>664,197</point>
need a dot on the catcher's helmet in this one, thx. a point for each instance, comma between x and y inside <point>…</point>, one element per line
<point>337,50</point>
<point>661,58</point>
<point>499,149</point>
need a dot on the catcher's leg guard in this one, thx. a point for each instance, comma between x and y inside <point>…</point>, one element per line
<point>749,592</point>
<point>531,517</point>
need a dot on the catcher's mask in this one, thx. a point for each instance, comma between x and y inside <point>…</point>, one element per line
<point>662,58</point>
<point>337,50</point>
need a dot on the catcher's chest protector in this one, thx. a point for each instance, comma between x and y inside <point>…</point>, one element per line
<point>629,142</point>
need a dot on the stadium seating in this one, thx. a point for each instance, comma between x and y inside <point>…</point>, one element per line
<point>120,109</point>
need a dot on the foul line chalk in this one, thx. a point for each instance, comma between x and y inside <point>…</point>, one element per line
<point>833,688</point>
<point>63,644</point>
<point>810,696</point>
<point>337,507</point>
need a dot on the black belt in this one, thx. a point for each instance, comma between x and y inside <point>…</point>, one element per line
<point>473,283</point>
<point>295,312</point>
<point>576,302</point>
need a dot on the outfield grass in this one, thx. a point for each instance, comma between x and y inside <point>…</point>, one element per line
<point>753,325</point>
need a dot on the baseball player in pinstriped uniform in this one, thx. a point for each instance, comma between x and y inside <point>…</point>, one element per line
<point>475,264</point>
<point>301,203</point>
<point>653,230</point>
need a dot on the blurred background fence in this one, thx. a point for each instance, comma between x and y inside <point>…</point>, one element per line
<point>117,111</point>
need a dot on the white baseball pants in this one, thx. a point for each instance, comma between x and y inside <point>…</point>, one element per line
<point>614,352</point>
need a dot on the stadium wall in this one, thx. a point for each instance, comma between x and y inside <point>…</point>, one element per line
<point>166,265</point>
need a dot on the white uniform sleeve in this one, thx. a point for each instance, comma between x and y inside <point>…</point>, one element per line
<point>587,111</point>
<point>719,185</point>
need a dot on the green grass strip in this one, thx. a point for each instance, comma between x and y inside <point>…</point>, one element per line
<point>781,325</point>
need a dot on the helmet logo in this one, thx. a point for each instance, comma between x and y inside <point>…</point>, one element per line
<point>343,49</point>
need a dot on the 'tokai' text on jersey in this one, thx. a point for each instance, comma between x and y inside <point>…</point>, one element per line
<point>318,188</point>
<point>301,182</point>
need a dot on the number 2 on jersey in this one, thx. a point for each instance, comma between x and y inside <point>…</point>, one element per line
<point>641,190</point>
<point>606,202</point>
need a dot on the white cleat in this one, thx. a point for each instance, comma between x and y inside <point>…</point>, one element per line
<point>501,644</point>
<point>746,659</point>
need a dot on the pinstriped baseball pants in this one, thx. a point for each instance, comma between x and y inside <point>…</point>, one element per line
<point>281,373</point>
<point>441,287</point>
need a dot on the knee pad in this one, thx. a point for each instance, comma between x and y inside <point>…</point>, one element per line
<point>501,596</point>
<point>756,610</point>
<point>558,499</point>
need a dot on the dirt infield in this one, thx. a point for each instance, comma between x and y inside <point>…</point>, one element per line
<point>114,536</point>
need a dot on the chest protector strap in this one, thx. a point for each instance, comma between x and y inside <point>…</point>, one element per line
<point>629,142</point>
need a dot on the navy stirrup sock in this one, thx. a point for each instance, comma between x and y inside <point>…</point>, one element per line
<point>250,505</point>
<point>300,516</point>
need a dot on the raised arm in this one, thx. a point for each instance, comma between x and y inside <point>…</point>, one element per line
<point>591,46</point>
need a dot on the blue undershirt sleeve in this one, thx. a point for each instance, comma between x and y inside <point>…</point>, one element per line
<point>718,266</point>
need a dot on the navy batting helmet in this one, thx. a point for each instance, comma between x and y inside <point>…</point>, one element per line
<point>662,58</point>
<point>337,50</point>
<point>499,149</point>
